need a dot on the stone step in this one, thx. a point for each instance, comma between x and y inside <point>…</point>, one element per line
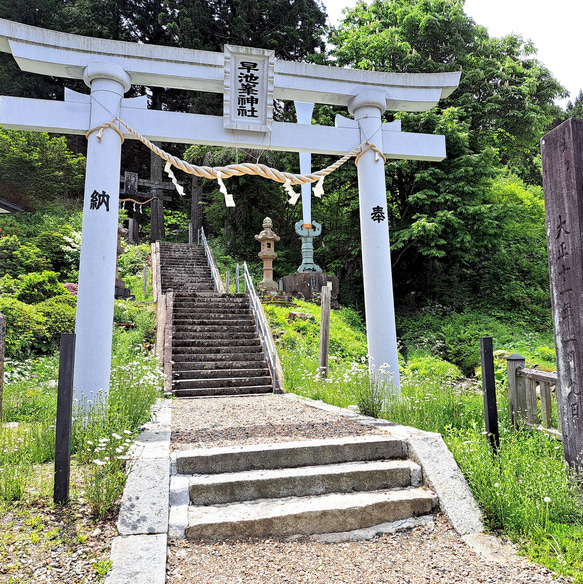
<point>184,339</point>
<point>289,454</point>
<point>304,481</point>
<point>224,391</point>
<point>186,274</point>
<point>210,298</point>
<point>206,374</point>
<point>177,285</point>
<point>186,261</point>
<point>221,382</point>
<point>217,314</point>
<point>216,324</point>
<point>220,311</point>
<point>227,355</point>
<point>191,366</point>
<point>306,515</point>
<point>247,345</point>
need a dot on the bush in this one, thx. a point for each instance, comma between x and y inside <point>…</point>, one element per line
<point>59,313</point>
<point>17,259</point>
<point>34,287</point>
<point>133,259</point>
<point>62,249</point>
<point>25,327</point>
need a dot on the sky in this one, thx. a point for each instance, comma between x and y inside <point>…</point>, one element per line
<point>555,29</point>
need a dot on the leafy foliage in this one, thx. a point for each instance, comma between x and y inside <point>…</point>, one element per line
<point>17,259</point>
<point>25,327</point>
<point>35,168</point>
<point>443,219</point>
<point>35,287</point>
<point>59,313</point>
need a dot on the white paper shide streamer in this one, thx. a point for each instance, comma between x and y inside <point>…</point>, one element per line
<point>229,201</point>
<point>179,187</point>
<point>293,195</point>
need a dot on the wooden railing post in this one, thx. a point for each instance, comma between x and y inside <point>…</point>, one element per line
<point>324,331</point>
<point>516,389</point>
<point>546,408</point>
<point>531,401</point>
<point>2,346</point>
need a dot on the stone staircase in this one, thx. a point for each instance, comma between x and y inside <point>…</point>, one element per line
<point>215,346</point>
<point>299,488</point>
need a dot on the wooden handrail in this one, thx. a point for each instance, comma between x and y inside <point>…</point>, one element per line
<point>524,387</point>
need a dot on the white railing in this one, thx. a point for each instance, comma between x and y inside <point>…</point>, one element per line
<point>219,286</point>
<point>264,333</point>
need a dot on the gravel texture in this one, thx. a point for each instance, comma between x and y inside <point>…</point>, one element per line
<point>422,555</point>
<point>430,553</point>
<point>40,542</point>
<point>232,421</point>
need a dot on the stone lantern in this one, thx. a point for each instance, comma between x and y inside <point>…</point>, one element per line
<point>267,238</point>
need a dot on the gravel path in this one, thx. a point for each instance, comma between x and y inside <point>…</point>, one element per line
<point>432,553</point>
<point>232,421</point>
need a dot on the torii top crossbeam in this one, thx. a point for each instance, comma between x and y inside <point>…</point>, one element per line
<point>249,79</point>
<point>65,55</point>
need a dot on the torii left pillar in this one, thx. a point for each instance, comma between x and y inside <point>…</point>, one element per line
<point>108,83</point>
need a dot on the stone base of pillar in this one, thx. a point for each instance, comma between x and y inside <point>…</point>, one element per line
<point>309,287</point>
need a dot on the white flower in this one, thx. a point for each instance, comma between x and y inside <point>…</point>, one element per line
<point>116,436</point>
<point>99,462</point>
<point>547,499</point>
<point>496,485</point>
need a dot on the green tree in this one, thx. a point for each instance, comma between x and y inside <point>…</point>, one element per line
<point>575,109</point>
<point>35,169</point>
<point>442,217</point>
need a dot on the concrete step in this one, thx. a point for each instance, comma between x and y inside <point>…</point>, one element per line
<point>192,366</point>
<point>304,481</point>
<point>184,339</point>
<point>235,329</point>
<point>235,373</point>
<point>289,454</point>
<point>306,515</point>
<point>221,382</point>
<point>224,391</point>
<point>214,323</point>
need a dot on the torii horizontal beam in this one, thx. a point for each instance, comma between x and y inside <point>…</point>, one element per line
<point>59,54</point>
<point>72,117</point>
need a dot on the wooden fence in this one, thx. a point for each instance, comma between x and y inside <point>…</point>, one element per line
<point>531,394</point>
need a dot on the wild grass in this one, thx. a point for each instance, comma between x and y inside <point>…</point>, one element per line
<point>99,441</point>
<point>525,492</point>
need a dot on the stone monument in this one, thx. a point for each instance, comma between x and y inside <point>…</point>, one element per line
<point>562,152</point>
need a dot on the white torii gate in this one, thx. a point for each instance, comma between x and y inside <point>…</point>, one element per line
<point>109,68</point>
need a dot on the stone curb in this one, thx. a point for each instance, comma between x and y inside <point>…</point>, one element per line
<point>138,554</point>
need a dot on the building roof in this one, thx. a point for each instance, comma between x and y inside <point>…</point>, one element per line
<point>6,207</point>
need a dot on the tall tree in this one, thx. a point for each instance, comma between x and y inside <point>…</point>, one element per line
<point>442,217</point>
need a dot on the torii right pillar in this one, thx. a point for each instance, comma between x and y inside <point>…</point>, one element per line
<point>367,108</point>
